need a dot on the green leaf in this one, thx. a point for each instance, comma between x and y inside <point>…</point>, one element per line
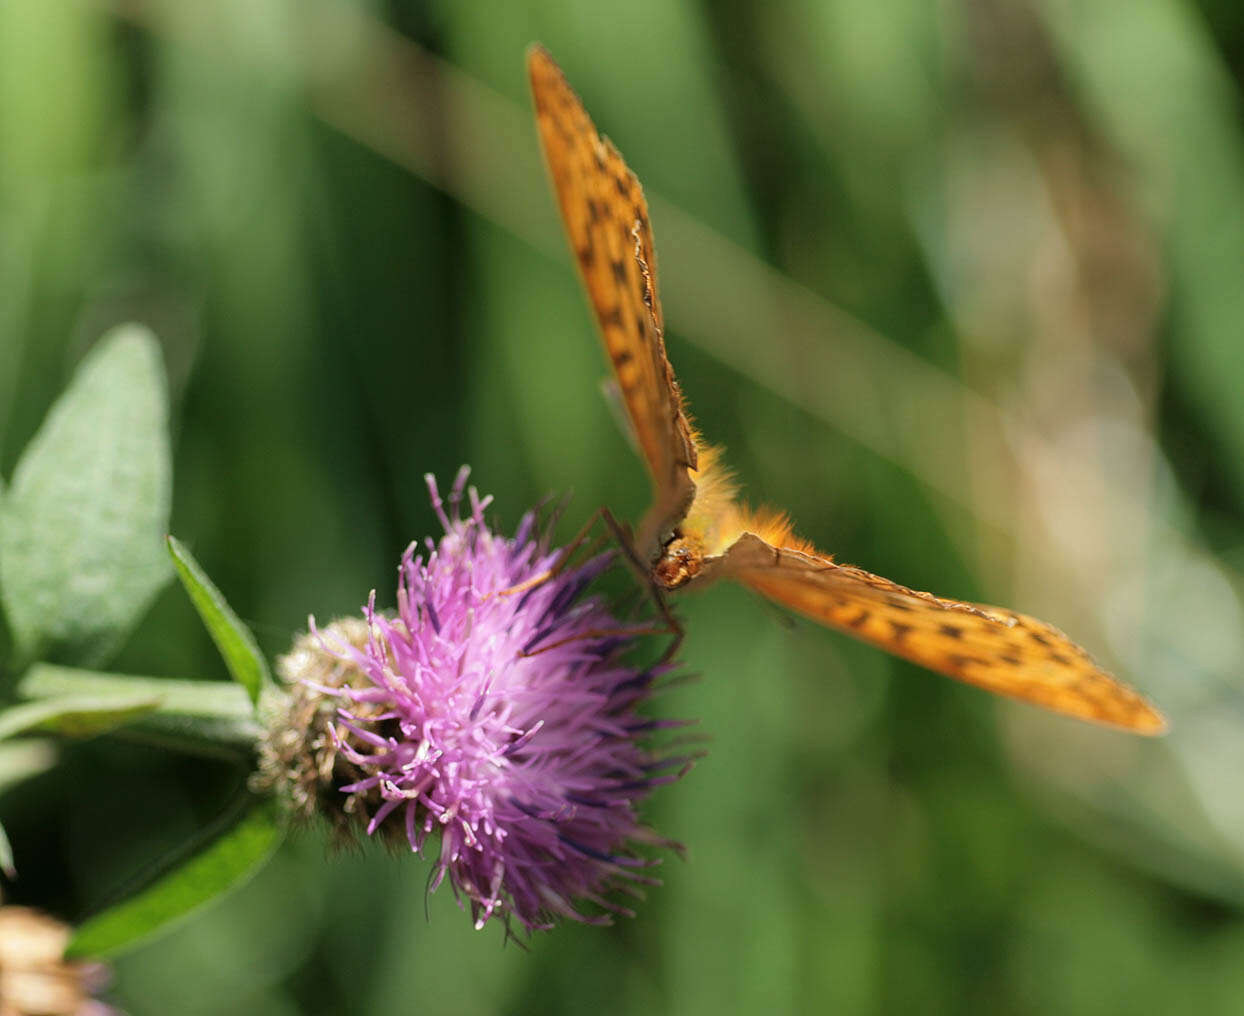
<point>223,865</point>
<point>212,716</point>
<point>75,715</point>
<point>81,524</point>
<point>234,640</point>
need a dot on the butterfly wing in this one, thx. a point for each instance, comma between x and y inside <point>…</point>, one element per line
<point>606,219</point>
<point>991,647</point>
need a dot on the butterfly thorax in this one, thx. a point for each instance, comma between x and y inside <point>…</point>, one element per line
<point>713,522</point>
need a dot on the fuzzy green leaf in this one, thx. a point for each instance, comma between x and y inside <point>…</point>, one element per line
<point>212,716</point>
<point>75,715</point>
<point>228,861</point>
<point>81,523</point>
<point>234,640</point>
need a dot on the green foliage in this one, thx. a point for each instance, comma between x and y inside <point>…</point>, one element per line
<point>20,760</point>
<point>234,640</point>
<point>89,500</point>
<point>228,859</point>
<point>76,715</point>
<point>80,557</point>
<point>198,716</point>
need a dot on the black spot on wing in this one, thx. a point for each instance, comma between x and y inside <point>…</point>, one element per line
<point>961,661</point>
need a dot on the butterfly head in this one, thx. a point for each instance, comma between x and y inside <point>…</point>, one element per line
<point>678,564</point>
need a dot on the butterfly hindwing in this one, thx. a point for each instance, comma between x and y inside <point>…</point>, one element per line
<point>991,647</point>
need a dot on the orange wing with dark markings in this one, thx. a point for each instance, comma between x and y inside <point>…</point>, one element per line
<point>606,219</point>
<point>696,531</point>
<point>991,647</point>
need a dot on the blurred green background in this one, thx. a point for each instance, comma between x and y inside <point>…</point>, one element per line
<point>960,285</point>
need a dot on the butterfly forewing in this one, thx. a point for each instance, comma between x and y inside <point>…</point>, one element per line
<point>997,649</point>
<point>606,219</point>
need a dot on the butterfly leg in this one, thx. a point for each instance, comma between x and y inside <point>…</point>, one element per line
<point>643,572</point>
<point>563,559</point>
<point>622,537</point>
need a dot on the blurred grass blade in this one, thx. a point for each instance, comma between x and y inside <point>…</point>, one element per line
<point>76,715</point>
<point>6,855</point>
<point>234,640</point>
<point>229,860</point>
<point>80,557</point>
<point>19,762</point>
<point>23,759</point>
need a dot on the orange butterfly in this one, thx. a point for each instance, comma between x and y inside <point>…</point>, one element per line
<point>696,531</point>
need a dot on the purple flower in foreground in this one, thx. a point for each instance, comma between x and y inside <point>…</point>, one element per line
<point>506,721</point>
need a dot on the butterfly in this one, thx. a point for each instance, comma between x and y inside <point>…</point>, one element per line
<point>697,531</point>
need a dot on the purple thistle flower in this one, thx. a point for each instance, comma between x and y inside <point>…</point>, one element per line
<point>507,722</point>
